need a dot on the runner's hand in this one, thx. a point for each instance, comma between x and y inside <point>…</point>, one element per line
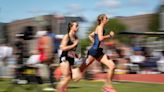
<point>111,33</point>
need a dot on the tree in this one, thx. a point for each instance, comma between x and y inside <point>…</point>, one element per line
<point>154,23</point>
<point>84,43</point>
<point>116,26</point>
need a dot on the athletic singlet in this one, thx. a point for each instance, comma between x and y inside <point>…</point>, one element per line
<point>97,42</point>
<point>95,50</point>
<point>64,53</point>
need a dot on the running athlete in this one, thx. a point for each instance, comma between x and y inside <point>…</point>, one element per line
<point>96,53</point>
<point>68,47</point>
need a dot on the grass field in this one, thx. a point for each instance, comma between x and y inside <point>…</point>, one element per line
<point>84,86</point>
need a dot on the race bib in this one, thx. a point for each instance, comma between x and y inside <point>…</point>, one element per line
<point>72,54</point>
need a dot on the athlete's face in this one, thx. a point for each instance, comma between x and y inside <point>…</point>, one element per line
<point>75,26</point>
<point>105,19</point>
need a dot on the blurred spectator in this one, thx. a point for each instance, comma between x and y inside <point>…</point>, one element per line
<point>160,62</point>
<point>137,57</point>
<point>6,53</point>
<point>52,35</point>
<point>19,50</point>
<point>45,48</point>
<point>121,60</point>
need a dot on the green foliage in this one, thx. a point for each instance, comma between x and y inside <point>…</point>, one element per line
<point>154,23</point>
<point>84,43</point>
<point>116,26</point>
<point>84,86</point>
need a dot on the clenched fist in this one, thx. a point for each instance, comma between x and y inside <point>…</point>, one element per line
<point>111,33</point>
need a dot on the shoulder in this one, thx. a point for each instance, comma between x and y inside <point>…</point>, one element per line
<point>66,37</point>
<point>98,28</point>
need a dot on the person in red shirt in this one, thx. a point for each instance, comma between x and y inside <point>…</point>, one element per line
<point>45,47</point>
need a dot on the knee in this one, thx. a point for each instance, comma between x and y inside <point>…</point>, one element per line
<point>67,77</point>
<point>112,66</point>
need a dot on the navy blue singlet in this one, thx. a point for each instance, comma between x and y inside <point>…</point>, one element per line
<point>95,50</point>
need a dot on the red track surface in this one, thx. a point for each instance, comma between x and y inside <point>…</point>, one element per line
<point>150,78</point>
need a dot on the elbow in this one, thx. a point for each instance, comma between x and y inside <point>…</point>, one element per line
<point>62,48</point>
<point>89,36</point>
<point>101,39</point>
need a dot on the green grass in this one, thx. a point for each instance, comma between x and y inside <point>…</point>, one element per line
<point>85,86</point>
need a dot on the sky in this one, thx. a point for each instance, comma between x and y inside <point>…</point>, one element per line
<point>11,10</point>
